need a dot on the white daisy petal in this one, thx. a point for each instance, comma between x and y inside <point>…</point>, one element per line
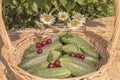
<point>80,18</point>
<point>74,25</point>
<point>47,19</point>
<point>63,16</point>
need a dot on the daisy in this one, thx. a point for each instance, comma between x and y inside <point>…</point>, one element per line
<point>47,19</point>
<point>74,25</point>
<point>80,18</point>
<point>63,16</point>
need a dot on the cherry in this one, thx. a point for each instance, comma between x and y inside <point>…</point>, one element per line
<point>57,63</point>
<point>49,41</point>
<point>72,54</point>
<point>39,51</point>
<point>82,56</point>
<point>51,65</point>
<point>38,45</point>
<point>78,55</point>
<point>43,43</point>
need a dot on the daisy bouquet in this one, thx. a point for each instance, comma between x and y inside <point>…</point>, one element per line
<point>73,22</point>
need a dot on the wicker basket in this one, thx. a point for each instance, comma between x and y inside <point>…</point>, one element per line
<point>13,54</point>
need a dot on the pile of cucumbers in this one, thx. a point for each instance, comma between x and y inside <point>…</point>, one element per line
<point>66,55</point>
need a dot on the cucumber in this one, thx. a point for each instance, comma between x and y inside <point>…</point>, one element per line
<point>53,73</point>
<point>71,48</point>
<point>41,66</point>
<point>70,38</point>
<point>28,63</point>
<point>89,59</point>
<point>32,51</point>
<point>76,66</point>
<point>31,61</point>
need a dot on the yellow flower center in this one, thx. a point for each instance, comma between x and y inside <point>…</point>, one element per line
<point>63,16</point>
<point>78,18</point>
<point>47,18</point>
<point>74,23</point>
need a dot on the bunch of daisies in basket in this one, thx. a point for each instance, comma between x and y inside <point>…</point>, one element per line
<point>73,22</point>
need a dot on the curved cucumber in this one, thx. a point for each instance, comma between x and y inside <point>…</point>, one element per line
<point>31,61</point>
<point>76,66</point>
<point>68,38</point>
<point>43,65</point>
<point>32,51</point>
<point>53,73</point>
<point>89,59</point>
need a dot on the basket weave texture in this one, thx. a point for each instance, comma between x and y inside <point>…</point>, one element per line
<point>14,54</point>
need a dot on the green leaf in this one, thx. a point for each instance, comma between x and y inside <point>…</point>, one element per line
<point>53,55</point>
<point>70,6</point>
<point>54,2</point>
<point>34,6</point>
<point>48,5</point>
<point>81,2</point>
<point>63,2</point>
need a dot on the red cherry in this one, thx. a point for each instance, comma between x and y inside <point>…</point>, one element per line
<point>39,51</point>
<point>51,65</point>
<point>57,63</point>
<point>49,41</point>
<point>44,43</point>
<point>72,54</point>
<point>78,55</point>
<point>38,45</point>
<point>82,56</point>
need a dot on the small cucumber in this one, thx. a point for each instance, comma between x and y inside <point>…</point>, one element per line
<point>70,38</point>
<point>43,65</point>
<point>28,63</point>
<point>89,59</point>
<point>31,61</point>
<point>53,73</point>
<point>31,51</point>
<point>76,66</point>
<point>71,48</point>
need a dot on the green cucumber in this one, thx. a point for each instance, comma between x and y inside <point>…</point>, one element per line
<point>53,73</point>
<point>70,38</point>
<point>71,48</point>
<point>32,51</point>
<point>41,66</point>
<point>76,66</point>
<point>89,59</point>
<point>28,63</point>
<point>31,61</point>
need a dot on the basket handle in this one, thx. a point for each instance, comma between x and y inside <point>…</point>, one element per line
<point>116,30</point>
<point>113,41</point>
<point>3,32</point>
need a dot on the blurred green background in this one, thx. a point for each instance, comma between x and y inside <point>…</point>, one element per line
<point>20,14</point>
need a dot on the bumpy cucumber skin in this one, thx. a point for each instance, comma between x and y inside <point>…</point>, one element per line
<point>71,48</point>
<point>53,73</point>
<point>68,38</point>
<point>29,62</point>
<point>89,59</point>
<point>31,51</point>
<point>76,66</point>
<point>41,66</point>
